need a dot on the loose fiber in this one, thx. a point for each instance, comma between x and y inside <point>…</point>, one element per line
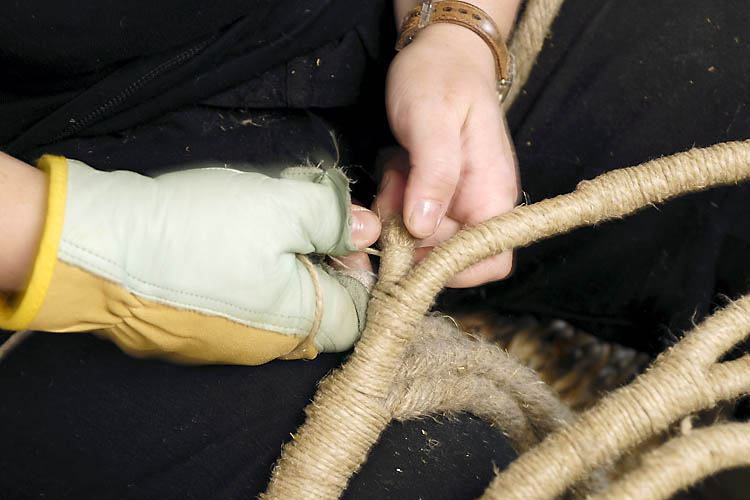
<point>12,342</point>
<point>528,39</point>
<point>349,412</point>
<point>408,365</point>
<point>683,380</point>
<point>684,461</point>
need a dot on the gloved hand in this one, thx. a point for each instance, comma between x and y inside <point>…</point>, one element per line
<point>195,266</point>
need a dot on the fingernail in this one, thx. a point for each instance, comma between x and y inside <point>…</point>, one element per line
<point>364,227</point>
<point>425,218</point>
<point>384,182</point>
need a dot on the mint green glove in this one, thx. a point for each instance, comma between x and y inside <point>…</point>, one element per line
<point>195,266</point>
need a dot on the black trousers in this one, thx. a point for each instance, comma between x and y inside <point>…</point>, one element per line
<point>618,83</point>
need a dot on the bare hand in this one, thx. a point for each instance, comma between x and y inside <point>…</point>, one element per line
<point>459,165</point>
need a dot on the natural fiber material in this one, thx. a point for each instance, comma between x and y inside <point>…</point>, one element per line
<point>683,462</point>
<point>528,40</point>
<point>446,371</point>
<point>473,375</point>
<point>348,413</point>
<point>307,348</point>
<point>683,380</point>
<point>580,367</point>
<point>12,342</point>
<point>467,374</point>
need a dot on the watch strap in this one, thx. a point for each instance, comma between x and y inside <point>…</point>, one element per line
<point>466,15</point>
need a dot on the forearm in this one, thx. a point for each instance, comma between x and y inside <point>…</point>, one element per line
<point>23,191</point>
<point>502,11</point>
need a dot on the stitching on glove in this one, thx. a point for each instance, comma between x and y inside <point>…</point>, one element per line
<point>107,275</point>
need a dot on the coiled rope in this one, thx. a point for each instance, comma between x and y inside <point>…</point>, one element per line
<point>409,365</point>
<point>399,354</point>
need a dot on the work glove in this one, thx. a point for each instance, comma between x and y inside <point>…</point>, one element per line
<point>196,266</point>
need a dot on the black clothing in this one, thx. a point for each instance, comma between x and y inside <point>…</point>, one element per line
<point>618,83</point>
<point>621,83</point>
<point>105,68</point>
<point>78,418</point>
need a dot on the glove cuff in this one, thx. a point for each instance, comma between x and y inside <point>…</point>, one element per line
<point>18,310</point>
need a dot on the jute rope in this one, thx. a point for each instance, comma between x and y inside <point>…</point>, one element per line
<point>443,361</point>
<point>528,39</point>
<point>683,462</point>
<point>349,411</point>
<point>309,343</point>
<point>683,380</point>
<point>356,402</point>
<point>444,371</point>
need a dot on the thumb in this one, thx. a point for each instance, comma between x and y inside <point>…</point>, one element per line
<point>435,168</point>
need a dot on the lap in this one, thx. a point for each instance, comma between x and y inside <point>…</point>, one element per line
<point>79,419</point>
<point>618,85</point>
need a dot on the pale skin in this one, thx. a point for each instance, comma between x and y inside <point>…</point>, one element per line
<point>23,200</point>
<point>457,169</point>
<point>23,191</point>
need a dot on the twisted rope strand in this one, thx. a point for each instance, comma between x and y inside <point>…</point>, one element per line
<point>308,344</point>
<point>396,308</point>
<point>682,462</point>
<point>673,387</point>
<point>445,370</point>
<point>608,196</point>
<point>348,412</point>
<point>528,40</point>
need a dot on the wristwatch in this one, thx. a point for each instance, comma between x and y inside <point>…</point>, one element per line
<point>466,15</point>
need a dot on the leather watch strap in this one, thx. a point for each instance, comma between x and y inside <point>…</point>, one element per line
<point>466,15</point>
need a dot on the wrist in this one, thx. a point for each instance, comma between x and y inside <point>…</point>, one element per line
<point>503,12</point>
<point>462,44</point>
<point>41,242</point>
<point>470,17</point>
<point>23,193</point>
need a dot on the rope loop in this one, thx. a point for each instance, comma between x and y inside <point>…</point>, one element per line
<point>570,453</point>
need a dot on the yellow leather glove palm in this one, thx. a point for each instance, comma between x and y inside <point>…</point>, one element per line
<point>195,266</point>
